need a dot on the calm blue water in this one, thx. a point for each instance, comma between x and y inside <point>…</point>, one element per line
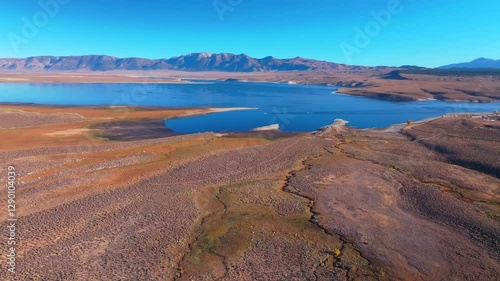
<point>293,107</point>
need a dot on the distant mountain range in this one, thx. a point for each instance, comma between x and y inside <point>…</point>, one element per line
<point>192,62</point>
<point>203,62</point>
<point>477,63</point>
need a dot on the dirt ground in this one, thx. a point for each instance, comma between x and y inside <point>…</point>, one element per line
<point>468,142</point>
<point>341,204</point>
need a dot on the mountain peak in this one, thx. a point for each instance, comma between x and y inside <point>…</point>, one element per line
<point>205,55</point>
<point>477,63</point>
<point>482,59</point>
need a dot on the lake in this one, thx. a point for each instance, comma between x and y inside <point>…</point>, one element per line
<point>294,107</point>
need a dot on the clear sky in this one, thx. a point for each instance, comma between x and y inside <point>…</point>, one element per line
<point>421,32</point>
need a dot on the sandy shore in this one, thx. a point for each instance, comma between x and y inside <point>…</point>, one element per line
<point>111,123</point>
<point>267,128</point>
<point>227,109</point>
<point>93,78</point>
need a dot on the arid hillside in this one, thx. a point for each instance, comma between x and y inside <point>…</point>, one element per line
<point>96,203</point>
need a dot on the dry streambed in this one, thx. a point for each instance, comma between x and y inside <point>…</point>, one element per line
<point>223,204</point>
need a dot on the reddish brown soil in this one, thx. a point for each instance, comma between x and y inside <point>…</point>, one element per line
<point>343,204</point>
<point>472,143</point>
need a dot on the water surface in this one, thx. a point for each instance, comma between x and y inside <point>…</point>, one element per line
<point>293,107</point>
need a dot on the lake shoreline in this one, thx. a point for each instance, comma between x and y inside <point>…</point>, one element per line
<point>366,84</point>
<point>146,126</point>
<point>264,179</point>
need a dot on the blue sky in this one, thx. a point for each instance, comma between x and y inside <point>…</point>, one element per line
<point>421,32</point>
